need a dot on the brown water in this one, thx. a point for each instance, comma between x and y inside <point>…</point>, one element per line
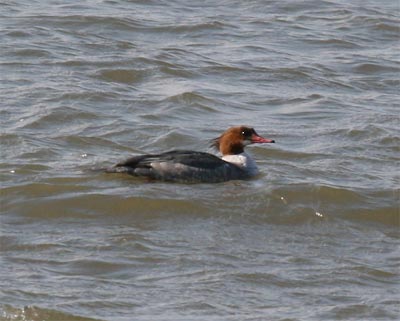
<point>86,84</point>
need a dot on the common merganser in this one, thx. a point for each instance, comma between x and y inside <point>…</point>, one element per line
<point>199,167</point>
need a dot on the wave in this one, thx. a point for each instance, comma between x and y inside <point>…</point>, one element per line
<point>34,313</point>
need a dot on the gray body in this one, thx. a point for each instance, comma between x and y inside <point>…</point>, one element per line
<point>182,166</point>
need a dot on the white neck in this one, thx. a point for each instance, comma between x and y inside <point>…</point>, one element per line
<point>244,161</point>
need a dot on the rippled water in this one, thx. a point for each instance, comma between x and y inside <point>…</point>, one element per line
<point>86,84</point>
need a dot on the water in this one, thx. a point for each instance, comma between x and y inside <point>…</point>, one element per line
<point>86,84</point>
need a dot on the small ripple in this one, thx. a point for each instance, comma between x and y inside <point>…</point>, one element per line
<point>192,27</point>
<point>14,246</point>
<point>189,98</point>
<point>88,21</point>
<point>125,76</point>
<point>334,42</point>
<point>11,313</point>
<point>371,68</point>
<point>37,155</point>
<point>362,206</point>
<point>89,142</point>
<point>392,27</point>
<point>41,190</point>
<point>31,53</point>
<point>290,154</point>
<point>86,96</point>
<point>59,117</point>
<point>359,311</point>
<point>18,34</point>
<point>92,267</point>
<point>74,201</point>
<point>175,70</point>
<point>289,73</point>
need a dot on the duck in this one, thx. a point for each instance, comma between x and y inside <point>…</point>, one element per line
<point>187,166</point>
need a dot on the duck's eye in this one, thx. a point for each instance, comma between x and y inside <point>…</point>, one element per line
<point>246,133</point>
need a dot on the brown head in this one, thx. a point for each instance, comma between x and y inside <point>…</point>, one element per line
<point>233,141</point>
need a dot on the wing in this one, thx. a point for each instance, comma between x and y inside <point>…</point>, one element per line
<point>188,158</point>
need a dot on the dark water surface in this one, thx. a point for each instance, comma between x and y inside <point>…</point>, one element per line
<point>88,83</point>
